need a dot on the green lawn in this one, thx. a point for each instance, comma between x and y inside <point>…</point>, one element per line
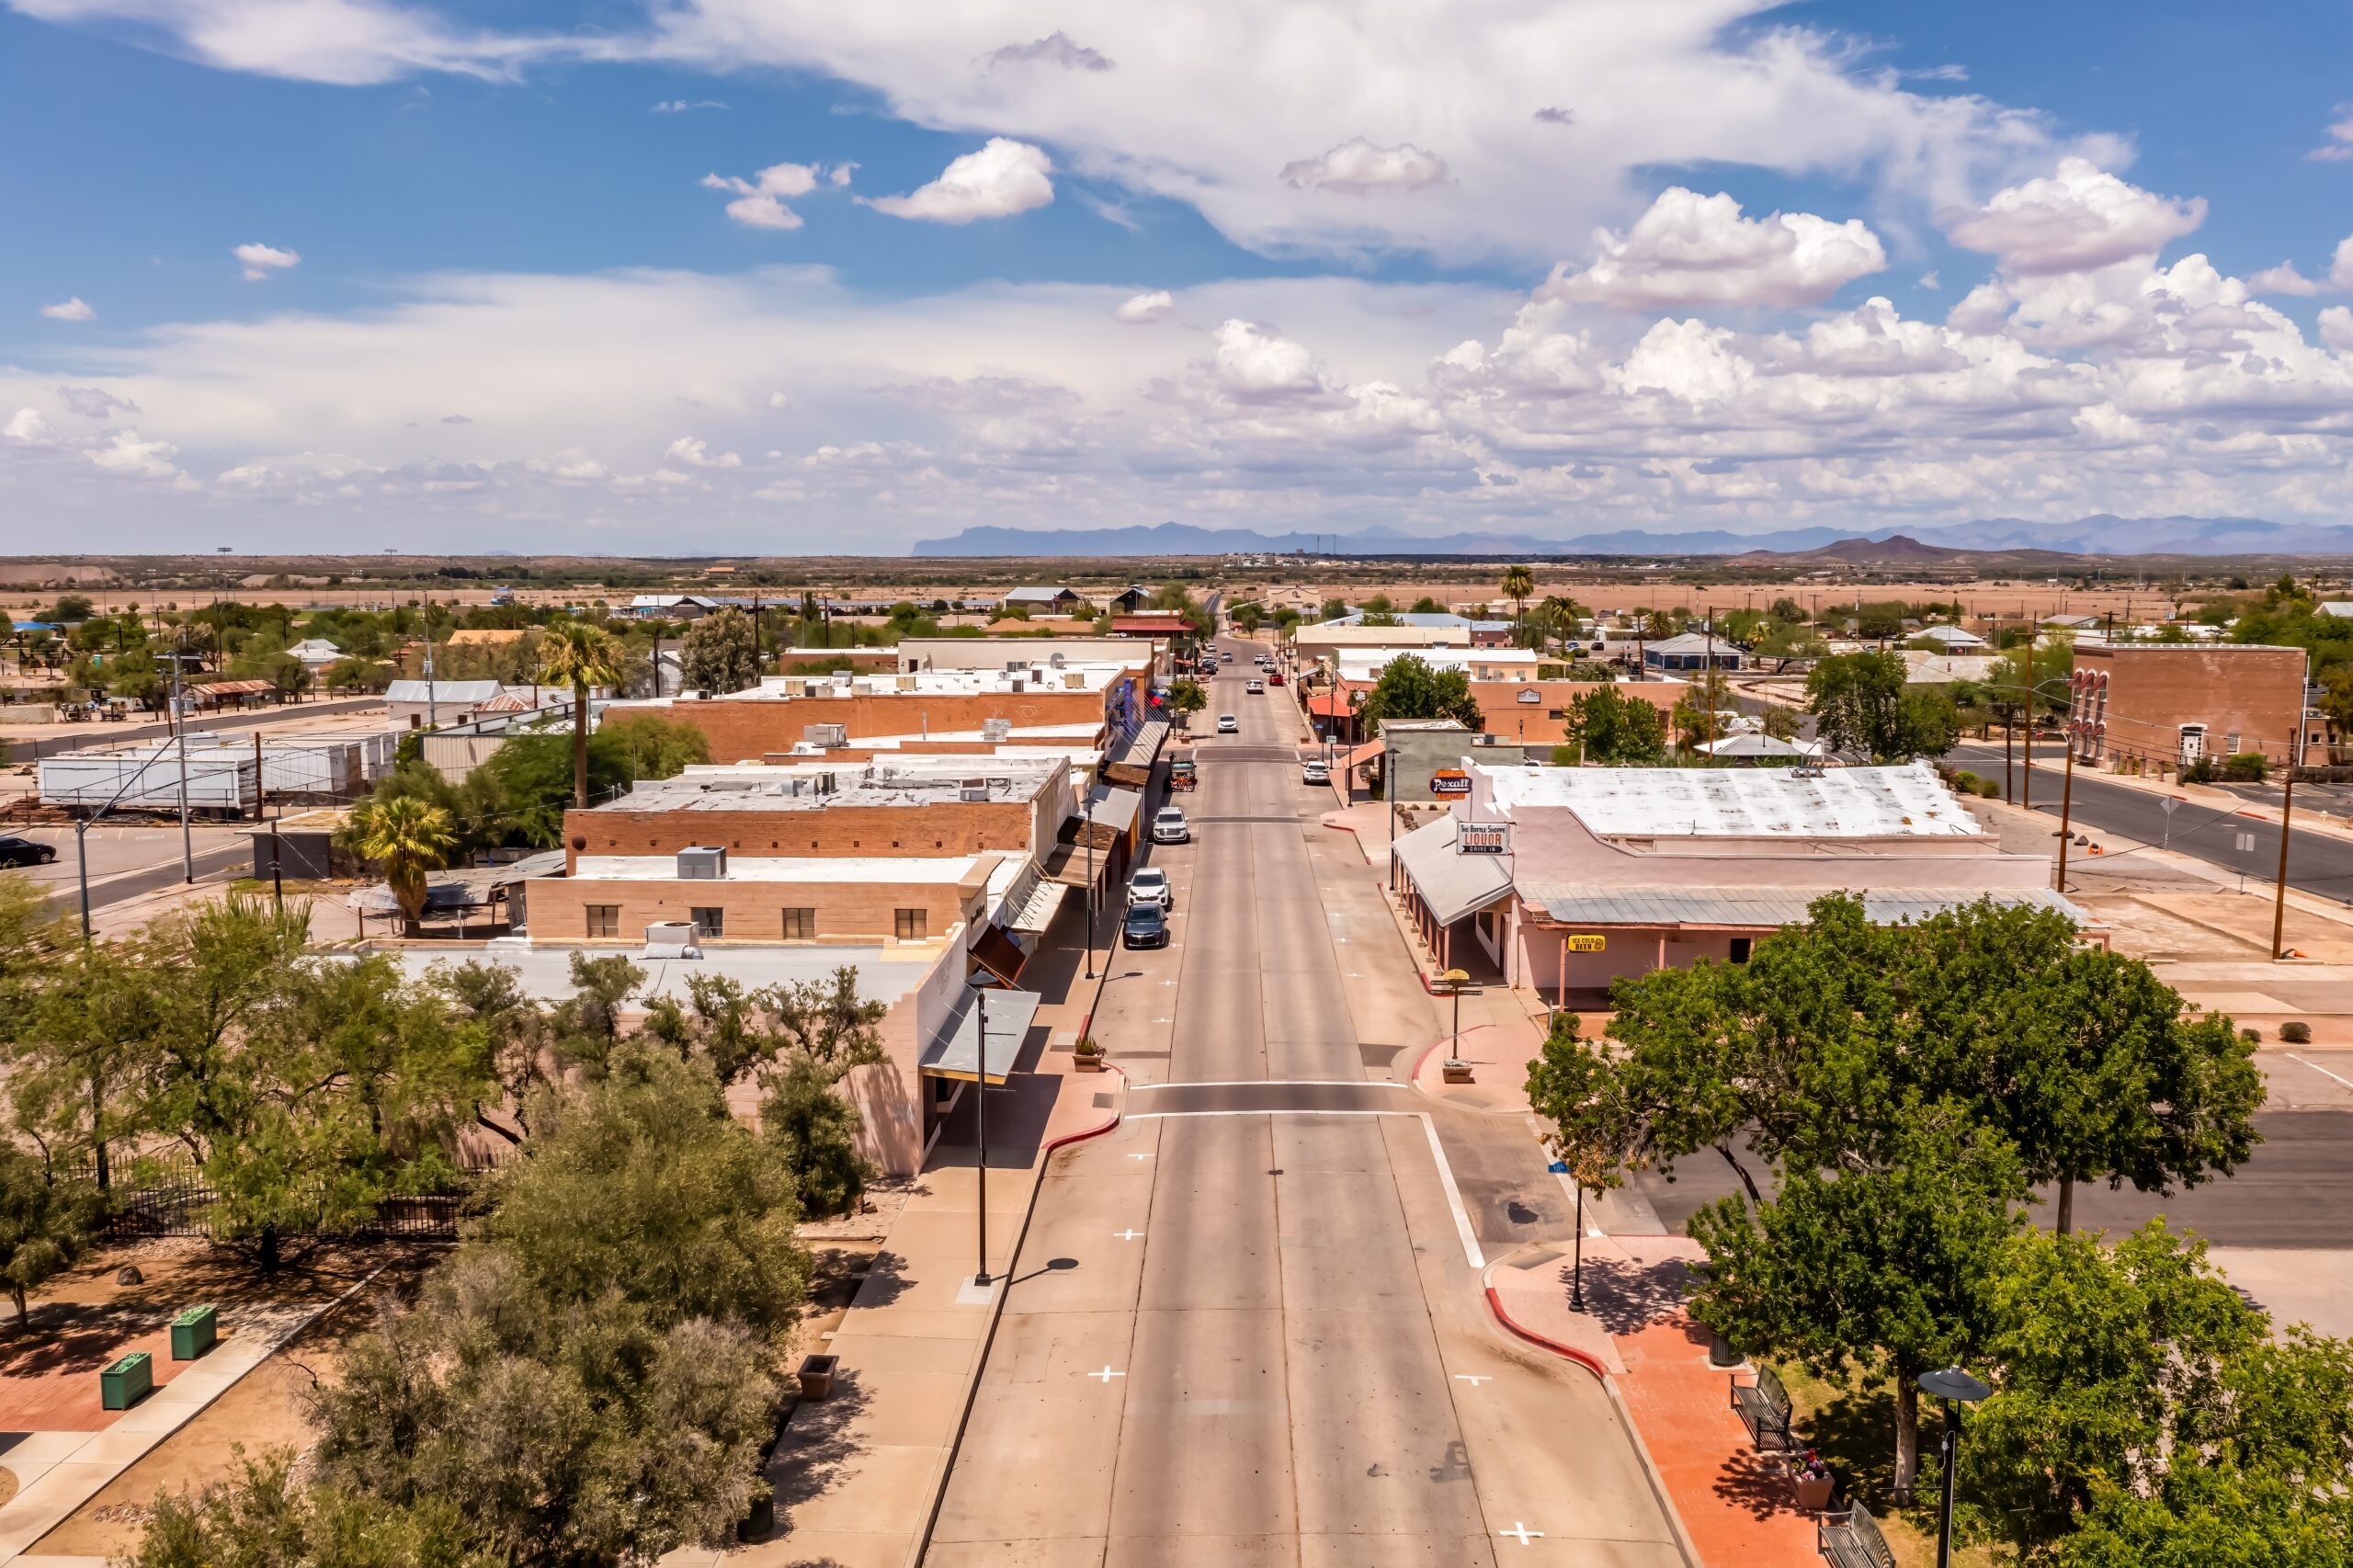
<point>1854,1428</point>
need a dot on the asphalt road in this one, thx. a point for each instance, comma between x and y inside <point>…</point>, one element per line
<point>126,862</point>
<point>1261,1340</point>
<point>2317,863</point>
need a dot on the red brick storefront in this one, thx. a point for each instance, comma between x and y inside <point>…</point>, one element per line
<point>2161,705</point>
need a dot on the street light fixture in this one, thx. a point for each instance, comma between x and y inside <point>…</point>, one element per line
<point>1952,1388</point>
<point>980,981</point>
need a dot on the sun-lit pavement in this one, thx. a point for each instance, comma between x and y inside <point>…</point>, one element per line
<point>1249,1329</point>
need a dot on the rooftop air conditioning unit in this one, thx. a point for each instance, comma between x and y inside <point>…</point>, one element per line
<point>1015,666</point>
<point>1055,660</point>
<point>972,788</point>
<point>670,939</point>
<point>828,735</point>
<point>1019,684</point>
<point>997,728</point>
<point>702,864</point>
<point>796,686</point>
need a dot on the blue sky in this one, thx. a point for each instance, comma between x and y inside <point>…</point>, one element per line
<point>502,308</point>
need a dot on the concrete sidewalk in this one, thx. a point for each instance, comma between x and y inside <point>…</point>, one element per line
<point>1738,1507</point>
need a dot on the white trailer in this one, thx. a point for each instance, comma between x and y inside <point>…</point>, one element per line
<point>147,777</point>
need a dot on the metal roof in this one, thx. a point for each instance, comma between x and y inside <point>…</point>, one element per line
<point>1573,906</point>
<point>952,1052</point>
<point>1452,885</point>
<point>1910,802</point>
<point>456,693</point>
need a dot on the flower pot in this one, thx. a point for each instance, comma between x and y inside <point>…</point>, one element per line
<point>1089,1063</point>
<point>817,1376</point>
<point>1813,1492</point>
<point>1455,1072</point>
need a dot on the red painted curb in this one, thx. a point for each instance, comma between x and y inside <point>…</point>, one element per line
<point>1495,1305</point>
<point>1424,1059</point>
<point>1085,1133</point>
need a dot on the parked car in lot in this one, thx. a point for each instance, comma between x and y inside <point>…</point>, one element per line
<point>1169,826</point>
<point>1151,886</point>
<point>1257,687</point>
<point>1145,926</point>
<point>1227,724</point>
<point>14,851</point>
<point>1314,772</point>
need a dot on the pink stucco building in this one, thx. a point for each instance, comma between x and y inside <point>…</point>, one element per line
<point>1610,871</point>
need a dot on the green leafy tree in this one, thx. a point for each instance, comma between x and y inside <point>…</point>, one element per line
<point>580,655</point>
<point>1409,689</point>
<point>1885,1267</point>
<point>1862,703</point>
<point>815,1129</point>
<point>653,746</point>
<point>722,652</point>
<point>47,1222</point>
<point>1187,697</point>
<point>260,1517</point>
<point>1618,729</point>
<point>527,783</point>
<point>1248,616</point>
<point>70,609</point>
<point>308,1090</point>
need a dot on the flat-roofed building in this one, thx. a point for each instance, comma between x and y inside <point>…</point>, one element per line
<point>2165,706</point>
<point>1565,879</point>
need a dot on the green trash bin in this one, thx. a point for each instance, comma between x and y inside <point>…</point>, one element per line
<point>193,1332</point>
<point>128,1381</point>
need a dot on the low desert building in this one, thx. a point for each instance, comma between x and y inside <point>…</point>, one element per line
<point>1564,878</point>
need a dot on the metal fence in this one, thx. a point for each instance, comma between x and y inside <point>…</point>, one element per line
<point>171,1198</point>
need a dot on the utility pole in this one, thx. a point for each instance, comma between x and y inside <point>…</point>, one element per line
<point>179,733</point>
<point>2280,891</point>
<point>2066,803</point>
<point>433,709</point>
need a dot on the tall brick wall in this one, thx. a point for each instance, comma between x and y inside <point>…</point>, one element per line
<point>2130,701</point>
<point>748,730</point>
<point>847,912</point>
<point>942,827</point>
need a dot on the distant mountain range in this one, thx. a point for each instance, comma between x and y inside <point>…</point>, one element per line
<point>2102,534</point>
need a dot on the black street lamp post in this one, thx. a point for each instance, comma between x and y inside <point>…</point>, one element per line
<point>1953,1388</point>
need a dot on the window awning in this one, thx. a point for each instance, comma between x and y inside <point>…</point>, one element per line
<point>1452,885</point>
<point>1066,864</point>
<point>998,953</point>
<point>955,1051</point>
<point>1131,763</point>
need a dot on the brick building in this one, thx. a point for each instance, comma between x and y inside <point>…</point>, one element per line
<point>2162,706</point>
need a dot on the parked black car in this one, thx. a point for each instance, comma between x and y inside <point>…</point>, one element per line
<point>1145,926</point>
<point>14,851</point>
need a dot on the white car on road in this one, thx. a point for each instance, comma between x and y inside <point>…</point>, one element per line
<point>1314,772</point>
<point>1257,687</point>
<point>1151,886</point>
<point>1169,826</point>
<point>1227,724</point>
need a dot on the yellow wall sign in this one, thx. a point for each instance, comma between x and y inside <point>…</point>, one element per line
<point>1589,944</point>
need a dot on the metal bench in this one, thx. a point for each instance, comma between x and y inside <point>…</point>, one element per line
<point>1764,1408</point>
<point>1851,1540</point>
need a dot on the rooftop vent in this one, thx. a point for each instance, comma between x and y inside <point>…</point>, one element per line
<point>1055,660</point>
<point>997,728</point>
<point>702,864</point>
<point>827,735</point>
<point>972,788</point>
<point>1016,667</point>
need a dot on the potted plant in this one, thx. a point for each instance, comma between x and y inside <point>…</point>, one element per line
<point>1088,1054</point>
<point>1815,1483</point>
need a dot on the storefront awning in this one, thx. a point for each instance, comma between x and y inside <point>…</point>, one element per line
<point>955,1051</point>
<point>1131,763</point>
<point>1066,864</point>
<point>1452,885</point>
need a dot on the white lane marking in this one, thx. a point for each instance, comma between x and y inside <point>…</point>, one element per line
<point>1105,1375</point>
<point>1470,1252</point>
<point>2319,1069</point>
<point>1146,1155</point>
<point>1474,1379</point>
<point>1522,1532</point>
<point>1131,1233</point>
<point>1280,1084</point>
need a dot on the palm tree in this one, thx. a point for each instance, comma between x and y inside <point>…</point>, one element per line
<point>410,838</point>
<point>1559,617</point>
<point>579,656</point>
<point>1517,584</point>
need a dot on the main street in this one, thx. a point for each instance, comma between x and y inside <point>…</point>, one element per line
<point>1247,1328</point>
<point>2317,863</point>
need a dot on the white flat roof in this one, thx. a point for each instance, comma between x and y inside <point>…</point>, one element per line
<point>1742,803</point>
<point>947,869</point>
<point>1367,660</point>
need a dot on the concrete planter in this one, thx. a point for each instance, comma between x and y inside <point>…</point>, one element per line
<point>1813,1492</point>
<point>1455,1072</point>
<point>817,1377</point>
<point>1089,1063</point>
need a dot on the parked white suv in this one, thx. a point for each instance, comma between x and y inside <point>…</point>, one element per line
<point>1151,886</point>
<point>1169,826</point>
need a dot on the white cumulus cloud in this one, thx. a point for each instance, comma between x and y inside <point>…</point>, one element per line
<point>759,202</point>
<point>2281,279</point>
<point>1251,363</point>
<point>2340,267</point>
<point>2079,219</point>
<point>1056,48</point>
<point>1357,167</point>
<point>689,452</point>
<point>74,309</point>
<point>1001,179</point>
<point>1690,249</point>
<point>126,454</point>
<point>27,426</point>
<point>261,260</point>
<point>1142,309</point>
<point>2338,146</point>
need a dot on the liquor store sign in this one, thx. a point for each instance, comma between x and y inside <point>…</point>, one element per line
<point>1483,838</point>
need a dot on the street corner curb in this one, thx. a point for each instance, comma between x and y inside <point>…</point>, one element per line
<point>1495,1305</point>
<point>1414,1077</point>
<point>1118,1112</point>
